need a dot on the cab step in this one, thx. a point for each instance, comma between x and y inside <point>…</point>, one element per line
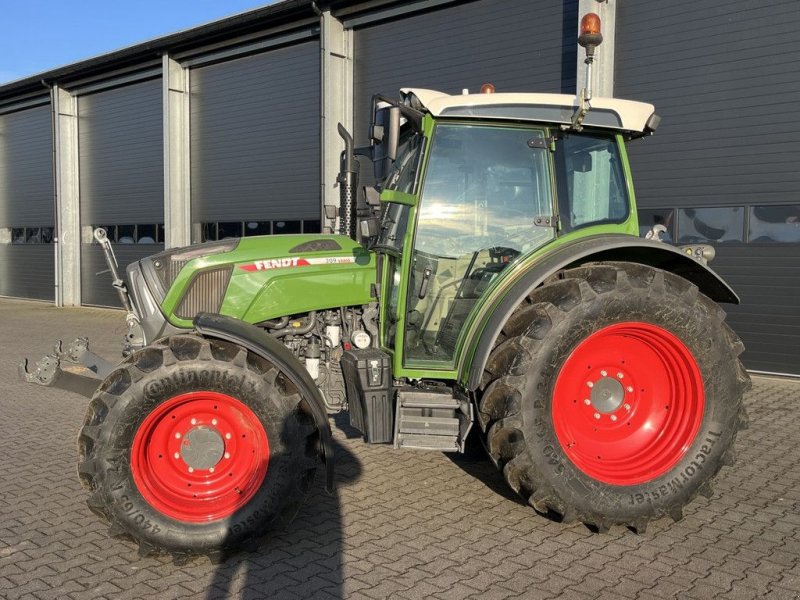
<point>431,419</point>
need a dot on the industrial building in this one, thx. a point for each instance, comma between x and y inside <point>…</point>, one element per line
<point>229,129</point>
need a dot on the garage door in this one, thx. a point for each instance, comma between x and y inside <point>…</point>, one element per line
<point>517,45</point>
<point>255,140</point>
<point>723,166</point>
<point>121,180</point>
<point>27,255</point>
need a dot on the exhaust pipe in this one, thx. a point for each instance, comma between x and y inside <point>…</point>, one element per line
<point>348,184</point>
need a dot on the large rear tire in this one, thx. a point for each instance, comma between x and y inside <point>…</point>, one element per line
<point>196,446</point>
<point>614,395</point>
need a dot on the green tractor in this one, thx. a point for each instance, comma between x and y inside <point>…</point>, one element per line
<point>494,277</point>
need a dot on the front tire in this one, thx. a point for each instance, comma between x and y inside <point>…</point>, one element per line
<point>196,446</point>
<point>614,395</point>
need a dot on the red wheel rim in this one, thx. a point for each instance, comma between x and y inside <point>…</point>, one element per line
<point>628,403</point>
<point>199,456</point>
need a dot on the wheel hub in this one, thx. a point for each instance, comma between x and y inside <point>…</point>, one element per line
<point>202,448</point>
<point>607,395</point>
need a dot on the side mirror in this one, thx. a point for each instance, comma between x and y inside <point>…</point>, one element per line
<point>384,132</point>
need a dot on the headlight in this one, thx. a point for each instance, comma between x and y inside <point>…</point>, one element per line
<point>166,265</point>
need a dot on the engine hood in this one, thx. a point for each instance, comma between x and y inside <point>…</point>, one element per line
<point>272,276</point>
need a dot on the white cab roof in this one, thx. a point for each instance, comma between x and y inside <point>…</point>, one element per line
<point>611,113</point>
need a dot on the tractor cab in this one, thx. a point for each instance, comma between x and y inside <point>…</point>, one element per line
<point>473,185</point>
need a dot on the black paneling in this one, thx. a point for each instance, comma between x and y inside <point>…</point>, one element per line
<point>255,136</point>
<point>723,75</point>
<point>27,199</point>
<point>121,155</point>
<point>121,174</point>
<point>518,45</point>
<point>767,279</point>
<point>27,271</point>
<point>26,168</point>
<point>96,280</point>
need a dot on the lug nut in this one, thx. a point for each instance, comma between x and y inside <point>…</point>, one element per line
<point>596,415</point>
<point>227,455</point>
<point>213,421</point>
<point>620,375</point>
<point>613,417</point>
<point>194,421</point>
<point>177,435</point>
<point>210,469</point>
<point>191,470</point>
<point>227,436</point>
<point>629,389</point>
<point>603,373</point>
<point>590,384</point>
<point>587,402</point>
<point>627,406</point>
<point>176,455</point>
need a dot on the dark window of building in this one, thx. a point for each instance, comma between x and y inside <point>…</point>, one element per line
<point>146,234</point>
<point>311,226</point>
<point>30,235</point>
<point>287,227</point>
<point>258,228</point>
<point>773,224</point>
<point>724,224</point>
<point>229,230</point>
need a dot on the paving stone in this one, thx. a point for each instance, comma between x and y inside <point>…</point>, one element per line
<point>410,525</point>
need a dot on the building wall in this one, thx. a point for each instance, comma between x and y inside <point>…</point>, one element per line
<point>27,265</point>
<point>121,180</point>
<point>723,166</point>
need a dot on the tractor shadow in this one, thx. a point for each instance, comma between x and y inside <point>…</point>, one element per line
<point>476,463</point>
<point>300,559</point>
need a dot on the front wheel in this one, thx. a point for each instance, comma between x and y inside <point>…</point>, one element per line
<point>196,446</point>
<point>614,396</point>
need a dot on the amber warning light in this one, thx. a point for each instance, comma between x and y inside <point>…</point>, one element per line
<point>589,36</point>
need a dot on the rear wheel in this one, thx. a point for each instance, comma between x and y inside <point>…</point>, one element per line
<point>614,395</point>
<point>196,446</point>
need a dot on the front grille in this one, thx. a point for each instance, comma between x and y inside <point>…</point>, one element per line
<point>204,293</point>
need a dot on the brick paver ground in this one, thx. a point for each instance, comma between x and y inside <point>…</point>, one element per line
<point>401,524</point>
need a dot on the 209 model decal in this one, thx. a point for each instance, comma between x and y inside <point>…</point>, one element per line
<point>294,261</point>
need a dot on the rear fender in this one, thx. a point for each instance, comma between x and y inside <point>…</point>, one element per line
<point>259,342</point>
<point>605,248</point>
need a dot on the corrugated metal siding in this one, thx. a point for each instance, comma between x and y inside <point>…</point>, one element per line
<point>26,199</point>
<point>723,75</point>
<point>255,137</point>
<point>26,168</point>
<point>27,271</point>
<point>517,45</point>
<point>120,135</point>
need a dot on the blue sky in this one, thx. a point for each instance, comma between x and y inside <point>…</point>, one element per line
<point>39,35</point>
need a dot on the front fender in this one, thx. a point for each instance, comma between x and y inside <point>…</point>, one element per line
<point>603,248</point>
<point>260,342</point>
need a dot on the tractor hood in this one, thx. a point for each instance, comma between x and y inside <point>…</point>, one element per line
<point>259,278</point>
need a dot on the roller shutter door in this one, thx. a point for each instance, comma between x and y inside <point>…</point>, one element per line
<point>121,180</point>
<point>518,45</point>
<point>255,137</point>
<point>723,165</point>
<point>27,222</point>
